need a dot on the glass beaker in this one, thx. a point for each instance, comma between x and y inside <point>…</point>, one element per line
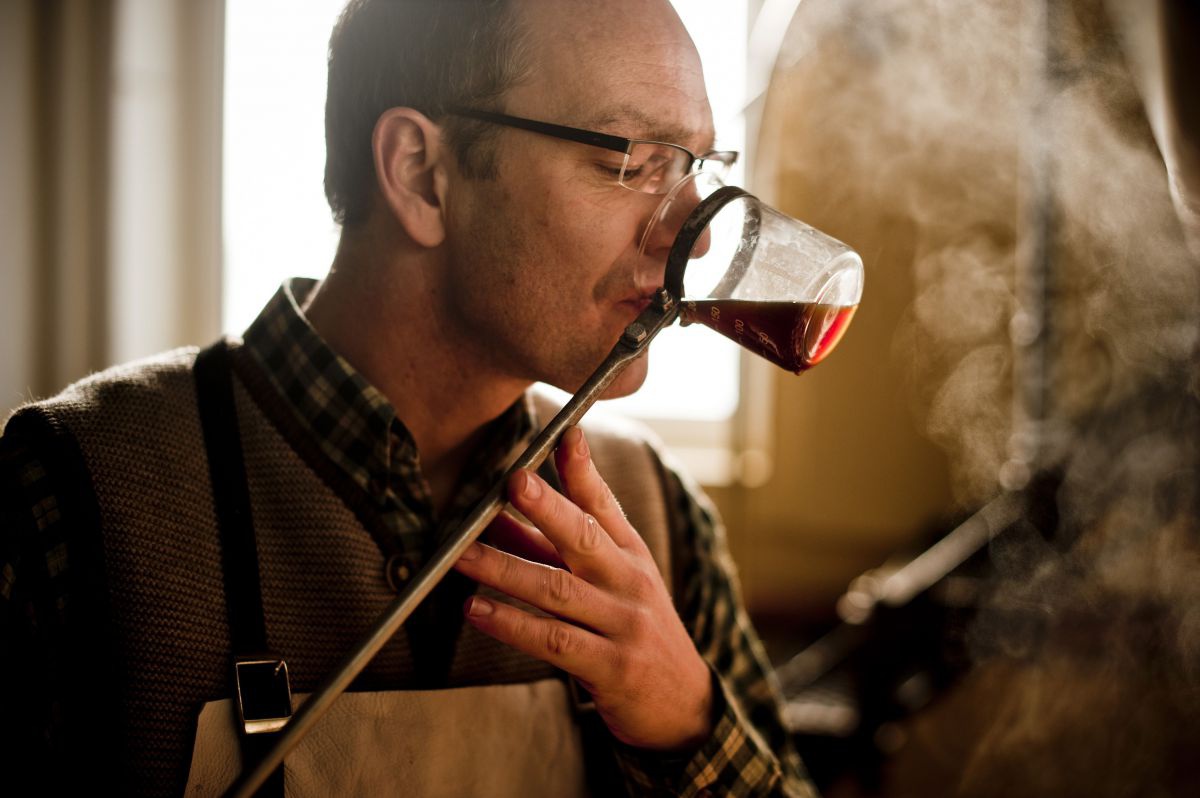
<point>773,284</point>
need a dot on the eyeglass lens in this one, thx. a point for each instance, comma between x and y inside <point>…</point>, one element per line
<point>654,168</point>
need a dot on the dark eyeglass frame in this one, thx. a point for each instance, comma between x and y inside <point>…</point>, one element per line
<point>727,158</point>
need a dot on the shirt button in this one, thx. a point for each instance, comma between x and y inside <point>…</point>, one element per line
<point>398,572</point>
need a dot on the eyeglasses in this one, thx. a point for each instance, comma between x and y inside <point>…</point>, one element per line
<point>652,167</point>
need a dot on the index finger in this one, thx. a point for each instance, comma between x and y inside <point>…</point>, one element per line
<point>584,486</point>
<point>509,534</point>
<point>582,542</point>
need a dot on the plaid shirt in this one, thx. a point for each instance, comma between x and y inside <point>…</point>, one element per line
<point>748,753</point>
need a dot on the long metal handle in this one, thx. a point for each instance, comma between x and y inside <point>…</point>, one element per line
<point>659,315</point>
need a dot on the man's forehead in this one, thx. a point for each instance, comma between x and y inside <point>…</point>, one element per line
<point>637,123</point>
<point>626,67</point>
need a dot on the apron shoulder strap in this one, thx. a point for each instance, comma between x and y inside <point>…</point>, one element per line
<point>262,691</point>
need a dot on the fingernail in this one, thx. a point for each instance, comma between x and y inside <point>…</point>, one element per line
<point>472,553</point>
<point>581,447</point>
<point>531,489</point>
<point>479,607</point>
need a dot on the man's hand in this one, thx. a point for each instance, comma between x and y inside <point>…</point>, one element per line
<point>614,627</point>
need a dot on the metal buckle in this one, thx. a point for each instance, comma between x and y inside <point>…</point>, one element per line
<point>264,694</point>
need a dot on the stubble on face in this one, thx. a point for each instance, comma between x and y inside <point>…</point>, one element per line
<point>543,260</point>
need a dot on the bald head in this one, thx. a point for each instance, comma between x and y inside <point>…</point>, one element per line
<point>626,67</point>
<point>621,66</point>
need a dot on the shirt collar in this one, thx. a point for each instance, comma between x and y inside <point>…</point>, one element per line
<point>353,422</point>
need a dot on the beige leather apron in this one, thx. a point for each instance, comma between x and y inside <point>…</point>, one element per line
<point>499,741</point>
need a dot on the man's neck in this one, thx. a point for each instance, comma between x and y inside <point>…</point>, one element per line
<point>378,316</point>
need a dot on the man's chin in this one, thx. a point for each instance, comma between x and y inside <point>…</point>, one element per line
<point>629,380</point>
<point>626,383</point>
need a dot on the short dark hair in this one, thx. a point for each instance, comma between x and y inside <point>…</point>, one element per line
<point>430,55</point>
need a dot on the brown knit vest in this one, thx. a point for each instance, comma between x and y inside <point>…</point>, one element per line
<point>322,569</point>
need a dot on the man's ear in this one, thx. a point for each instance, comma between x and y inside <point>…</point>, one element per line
<point>409,173</point>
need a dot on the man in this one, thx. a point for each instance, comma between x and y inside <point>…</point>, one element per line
<point>480,253</point>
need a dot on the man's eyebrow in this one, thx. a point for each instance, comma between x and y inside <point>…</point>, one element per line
<point>642,126</point>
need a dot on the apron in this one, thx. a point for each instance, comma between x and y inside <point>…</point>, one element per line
<point>503,741</point>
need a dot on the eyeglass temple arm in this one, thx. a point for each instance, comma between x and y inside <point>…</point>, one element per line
<point>608,142</point>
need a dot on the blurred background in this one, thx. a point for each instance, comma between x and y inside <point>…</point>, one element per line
<point>969,539</point>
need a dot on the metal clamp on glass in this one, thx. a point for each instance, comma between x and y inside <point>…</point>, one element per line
<point>264,694</point>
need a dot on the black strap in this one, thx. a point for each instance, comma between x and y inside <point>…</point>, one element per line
<point>226,468</point>
<point>239,553</point>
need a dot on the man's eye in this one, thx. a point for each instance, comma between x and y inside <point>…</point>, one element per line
<point>615,171</point>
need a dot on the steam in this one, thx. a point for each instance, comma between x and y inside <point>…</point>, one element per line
<point>1001,137</point>
<point>950,115</point>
